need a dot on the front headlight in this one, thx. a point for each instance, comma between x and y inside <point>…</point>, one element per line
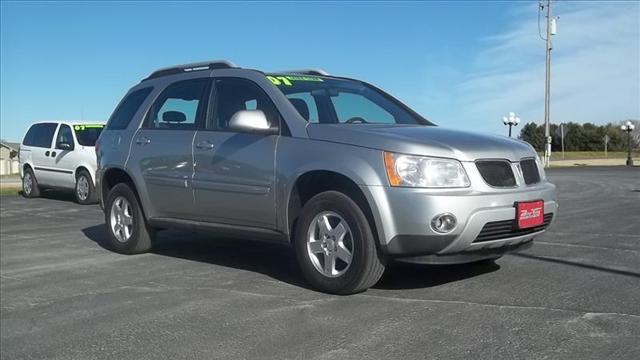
<point>420,171</point>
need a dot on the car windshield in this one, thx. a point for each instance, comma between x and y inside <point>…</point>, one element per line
<point>87,134</point>
<point>327,100</point>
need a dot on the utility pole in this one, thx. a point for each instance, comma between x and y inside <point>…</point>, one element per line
<point>562,137</point>
<point>550,31</point>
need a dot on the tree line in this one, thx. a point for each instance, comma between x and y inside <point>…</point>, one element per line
<point>581,137</point>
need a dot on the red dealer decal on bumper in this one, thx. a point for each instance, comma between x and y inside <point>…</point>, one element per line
<point>529,214</point>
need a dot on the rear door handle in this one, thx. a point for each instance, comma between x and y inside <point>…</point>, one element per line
<point>205,145</point>
<point>143,140</point>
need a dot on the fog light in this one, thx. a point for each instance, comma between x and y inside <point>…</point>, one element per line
<point>443,223</point>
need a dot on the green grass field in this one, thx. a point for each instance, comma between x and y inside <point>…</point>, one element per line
<point>584,155</point>
<point>9,190</point>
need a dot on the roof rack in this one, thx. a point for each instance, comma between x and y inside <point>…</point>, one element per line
<point>204,65</point>
<point>317,72</point>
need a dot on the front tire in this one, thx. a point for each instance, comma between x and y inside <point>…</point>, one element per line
<point>85,191</point>
<point>30,187</point>
<point>125,221</point>
<point>335,245</point>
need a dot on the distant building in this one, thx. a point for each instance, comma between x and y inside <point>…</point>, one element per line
<point>9,163</point>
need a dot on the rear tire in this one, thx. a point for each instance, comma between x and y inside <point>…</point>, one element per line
<point>335,246</point>
<point>128,230</point>
<point>30,187</point>
<point>85,192</point>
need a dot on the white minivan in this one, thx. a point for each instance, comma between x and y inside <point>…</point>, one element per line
<point>60,154</point>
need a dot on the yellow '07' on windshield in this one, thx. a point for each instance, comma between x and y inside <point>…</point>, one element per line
<point>287,79</point>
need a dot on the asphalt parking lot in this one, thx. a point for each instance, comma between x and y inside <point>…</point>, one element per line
<point>574,295</point>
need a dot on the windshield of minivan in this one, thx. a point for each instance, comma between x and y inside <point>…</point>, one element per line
<point>87,134</point>
<point>328,100</point>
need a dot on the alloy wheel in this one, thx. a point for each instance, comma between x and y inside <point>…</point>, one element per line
<point>82,188</point>
<point>27,183</point>
<point>121,219</point>
<point>330,244</point>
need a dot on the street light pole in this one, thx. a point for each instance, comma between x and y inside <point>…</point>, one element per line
<point>628,128</point>
<point>511,120</point>
<point>547,87</point>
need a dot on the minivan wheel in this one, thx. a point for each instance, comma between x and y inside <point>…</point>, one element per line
<point>30,187</point>
<point>335,245</point>
<point>85,191</point>
<point>126,225</point>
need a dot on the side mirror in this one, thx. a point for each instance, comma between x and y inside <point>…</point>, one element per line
<point>65,146</point>
<point>251,121</point>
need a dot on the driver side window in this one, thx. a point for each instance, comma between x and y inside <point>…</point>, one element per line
<point>65,136</point>
<point>351,107</point>
<point>235,94</point>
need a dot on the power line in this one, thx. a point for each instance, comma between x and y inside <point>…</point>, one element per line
<point>540,8</point>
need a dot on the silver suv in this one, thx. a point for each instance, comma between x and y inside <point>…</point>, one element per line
<point>339,169</point>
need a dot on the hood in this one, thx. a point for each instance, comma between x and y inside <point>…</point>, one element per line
<point>423,140</point>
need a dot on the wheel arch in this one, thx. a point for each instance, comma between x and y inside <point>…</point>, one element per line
<point>87,169</point>
<point>313,182</point>
<point>113,176</point>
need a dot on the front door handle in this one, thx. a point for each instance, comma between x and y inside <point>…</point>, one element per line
<point>205,145</point>
<point>143,140</point>
<point>46,153</point>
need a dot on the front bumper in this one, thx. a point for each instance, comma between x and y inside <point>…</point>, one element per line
<point>403,217</point>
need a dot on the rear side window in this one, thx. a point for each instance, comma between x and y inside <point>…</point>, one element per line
<point>128,107</point>
<point>181,106</point>
<point>40,135</point>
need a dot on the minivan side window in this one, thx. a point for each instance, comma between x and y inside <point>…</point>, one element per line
<point>40,135</point>
<point>64,137</point>
<point>181,106</point>
<point>128,107</point>
<point>235,94</point>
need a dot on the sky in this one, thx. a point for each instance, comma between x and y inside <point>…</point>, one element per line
<point>462,64</point>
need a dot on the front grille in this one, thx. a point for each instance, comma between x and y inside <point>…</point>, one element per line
<point>530,171</point>
<point>497,230</point>
<point>497,173</point>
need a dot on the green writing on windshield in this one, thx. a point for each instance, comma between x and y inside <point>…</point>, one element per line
<point>286,80</point>
<point>88,126</point>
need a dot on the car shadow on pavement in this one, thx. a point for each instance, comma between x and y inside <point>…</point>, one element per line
<point>413,276</point>
<point>57,194</point>
<point>273,260</point>
<point>279,262</point>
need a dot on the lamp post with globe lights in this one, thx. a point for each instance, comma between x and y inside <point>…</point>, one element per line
<point>511,120</point>
<point>628,128</point>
